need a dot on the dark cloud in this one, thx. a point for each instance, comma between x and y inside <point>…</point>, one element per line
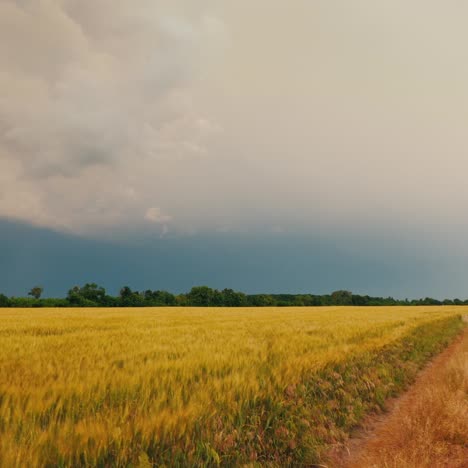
<point>274,263</point>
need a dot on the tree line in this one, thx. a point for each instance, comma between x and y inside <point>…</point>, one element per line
<point>92,295</point>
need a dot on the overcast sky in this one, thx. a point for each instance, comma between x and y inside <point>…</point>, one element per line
<point>176,117</point>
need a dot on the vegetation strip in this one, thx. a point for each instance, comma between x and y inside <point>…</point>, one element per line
<point>92,295</point>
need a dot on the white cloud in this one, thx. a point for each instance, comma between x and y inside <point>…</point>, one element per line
<point>155,215</point>
<point>95,99</point>
<point>354,113</point>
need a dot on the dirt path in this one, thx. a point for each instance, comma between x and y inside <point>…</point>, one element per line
<point>425,427</point>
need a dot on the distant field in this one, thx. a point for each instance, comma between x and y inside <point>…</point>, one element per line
<point>194,386</point>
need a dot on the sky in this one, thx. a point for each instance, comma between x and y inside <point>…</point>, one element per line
<point>220,136</point>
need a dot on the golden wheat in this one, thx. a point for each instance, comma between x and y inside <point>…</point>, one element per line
<point>121,387</point>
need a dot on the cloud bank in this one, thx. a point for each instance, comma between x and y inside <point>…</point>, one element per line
<point>95,103</point>
<point>181,115</point>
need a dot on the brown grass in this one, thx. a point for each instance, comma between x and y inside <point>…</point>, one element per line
<point>429,425</point>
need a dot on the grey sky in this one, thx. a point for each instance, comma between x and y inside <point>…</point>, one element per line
<point>186,116</point>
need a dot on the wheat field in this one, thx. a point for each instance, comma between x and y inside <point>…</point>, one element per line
<point>202,386</point>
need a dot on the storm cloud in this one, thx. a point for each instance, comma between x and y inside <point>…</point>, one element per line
<point>93,102</point>
<point>225,116</point>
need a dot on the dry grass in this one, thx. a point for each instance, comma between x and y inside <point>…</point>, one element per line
<point>192,387</point>
<point>429,428</point>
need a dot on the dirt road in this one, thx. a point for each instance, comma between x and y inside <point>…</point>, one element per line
<point>425,427</point>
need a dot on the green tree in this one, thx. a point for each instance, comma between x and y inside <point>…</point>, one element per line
<point>4,301</point>
<point>232,298</point>
<point>125,293</point>
<point>342,297</point>
<point>201,296</point>
<point>159,298</point>
<point>36,292</point>
<point>88,295</point>
<point>93,292</point>
<point>261,300</point>
<point>129,298</point>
